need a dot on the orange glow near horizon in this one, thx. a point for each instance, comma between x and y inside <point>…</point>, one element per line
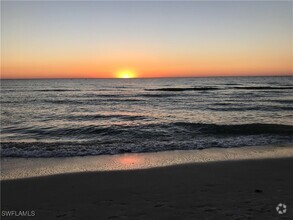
<point>145,40</point>
<point>145,66</point>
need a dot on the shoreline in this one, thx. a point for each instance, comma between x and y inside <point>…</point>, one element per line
<point>20,168</point>
<point>246,189</point>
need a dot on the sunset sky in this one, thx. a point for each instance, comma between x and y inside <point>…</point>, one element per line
<point>148,39</point>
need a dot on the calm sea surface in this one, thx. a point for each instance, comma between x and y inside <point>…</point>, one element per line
<point>59,118</point>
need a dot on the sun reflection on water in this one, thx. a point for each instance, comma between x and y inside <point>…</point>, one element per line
<point>129,160</point>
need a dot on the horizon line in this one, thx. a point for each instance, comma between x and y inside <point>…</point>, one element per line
<point>174,77</point>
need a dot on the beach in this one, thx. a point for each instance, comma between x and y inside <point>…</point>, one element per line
<point>230,187</point>
<point>248,189</point>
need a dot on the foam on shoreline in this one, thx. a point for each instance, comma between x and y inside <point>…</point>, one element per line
<point>16,168</point>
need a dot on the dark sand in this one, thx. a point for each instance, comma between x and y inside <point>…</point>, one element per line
<point>216,190</point>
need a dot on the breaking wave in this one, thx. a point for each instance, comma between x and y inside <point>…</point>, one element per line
<point>147,138</point>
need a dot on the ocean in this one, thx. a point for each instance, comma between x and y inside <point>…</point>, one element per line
<point>80,117</point>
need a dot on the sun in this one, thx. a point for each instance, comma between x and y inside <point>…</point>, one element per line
<point>126,74</point>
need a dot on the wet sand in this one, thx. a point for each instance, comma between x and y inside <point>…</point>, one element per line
<point>16,168</point>
<point>246,189</point>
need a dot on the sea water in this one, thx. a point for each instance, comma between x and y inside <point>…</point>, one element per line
<point>79,117</point>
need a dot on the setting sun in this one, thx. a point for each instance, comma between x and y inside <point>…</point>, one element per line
<point>125,74</point>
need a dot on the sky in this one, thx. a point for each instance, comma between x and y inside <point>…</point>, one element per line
<point>91,39</point>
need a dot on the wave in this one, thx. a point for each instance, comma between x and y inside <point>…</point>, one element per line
<point>44,132</point>
<point>263,87</point>
<point>246,108</point>
<point>56,90</point>
<point>289,101</point>
<point>159,95</point>
<point>101,116</point>
<point>239,129</point>
<point>147,138</point>
<point>149,130</point>
<point>71,149</point>
<point>174,89</point>
<point>97,101</point>
<point>41,90</point>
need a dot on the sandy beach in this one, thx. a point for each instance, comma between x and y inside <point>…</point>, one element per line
<point>247,189</point>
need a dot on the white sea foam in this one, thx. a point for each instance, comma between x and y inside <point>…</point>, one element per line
<point>15,168</point>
